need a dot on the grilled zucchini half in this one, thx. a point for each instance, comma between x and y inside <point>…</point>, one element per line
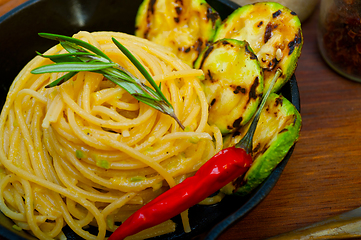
<point>184,27</point>
<point>233,83</point>
<point>277,131</point>
<point>274,33</point>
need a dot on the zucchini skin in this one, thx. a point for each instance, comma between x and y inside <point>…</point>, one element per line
<point>265,29</point>
<point>233,83</point>
<point>274,33</point>
<point>279,129</point>
<point>184,27</point>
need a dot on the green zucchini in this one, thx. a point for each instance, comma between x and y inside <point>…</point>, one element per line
<point>273,32</point>
<point>277,131</point>
<point>233,83</point>
<point>184,27</point>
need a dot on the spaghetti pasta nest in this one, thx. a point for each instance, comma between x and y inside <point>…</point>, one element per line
<point>87,153</point>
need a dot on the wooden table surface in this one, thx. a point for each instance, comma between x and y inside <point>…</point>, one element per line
<point>323,176</point>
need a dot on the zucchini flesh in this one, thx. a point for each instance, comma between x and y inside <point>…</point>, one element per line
<point>277,131</point>
<point>233,83</point>
<point>184,27</point>
<point>273,32</point>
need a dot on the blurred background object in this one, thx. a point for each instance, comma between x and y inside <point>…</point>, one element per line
<point>303,8</point>
<point>339,36</point>
<point>343,226</point>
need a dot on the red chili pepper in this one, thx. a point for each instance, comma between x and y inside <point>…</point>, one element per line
<point>222,168</point>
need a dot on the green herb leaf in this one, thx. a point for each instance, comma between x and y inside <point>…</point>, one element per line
<point>67,57</point>
<point>79,154</point>
<point>61,80</point>
<point>17,228</point>
<point>103,163</point>
<point>62,38</point>
<point>140,67</point>
<point>72,67</point>
<point>137,179</point>
<point>83,56</point>
<point>118,74</point>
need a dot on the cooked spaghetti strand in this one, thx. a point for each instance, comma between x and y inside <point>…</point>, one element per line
<point>87,154</point>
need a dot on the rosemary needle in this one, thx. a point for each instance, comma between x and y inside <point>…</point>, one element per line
<point>83,56</point>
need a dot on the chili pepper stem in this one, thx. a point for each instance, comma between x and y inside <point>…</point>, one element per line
<point>222,168</point>
<point>246,141</point>
<point>227,165</point>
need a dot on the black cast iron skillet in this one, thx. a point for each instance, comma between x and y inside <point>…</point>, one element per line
<point>18,43</point>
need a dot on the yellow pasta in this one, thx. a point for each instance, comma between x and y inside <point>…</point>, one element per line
<point>88,153</point>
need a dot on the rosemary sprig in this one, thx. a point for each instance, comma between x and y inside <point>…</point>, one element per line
<point>83,56</point>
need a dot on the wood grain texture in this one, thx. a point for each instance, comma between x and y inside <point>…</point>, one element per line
<point>7,5</point>
<point>322,178</point>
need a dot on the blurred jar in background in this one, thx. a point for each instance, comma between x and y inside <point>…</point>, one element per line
<point>303,8</point>
<point>339,36</point>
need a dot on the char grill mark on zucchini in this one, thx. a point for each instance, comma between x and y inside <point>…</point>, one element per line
<point>268,31</point>
<point>276,14</point>
<point>212,15</point>
<point>281,124</point>
<point>233,83</point>
<point>297,41</point>
<point>204,57</point>
<point>184,27</point>
<point>253,92</point>
<point>148,18</point>
<point>274,33</point>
